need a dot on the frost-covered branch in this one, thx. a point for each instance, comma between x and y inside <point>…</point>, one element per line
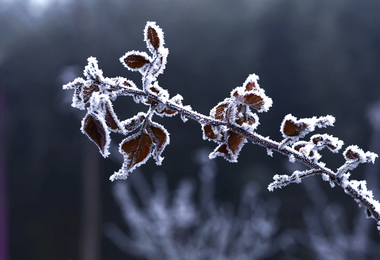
<point>231,123</point>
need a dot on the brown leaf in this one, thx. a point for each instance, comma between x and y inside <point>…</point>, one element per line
<point>154,90</point>
<point>298,146</point>
<point>96,130</point>
<point>291,128</point>
<point>111,118</point>
<point>160,138</point>
<point>251,86</point>
<point>317,139</point>
<point>135,61</point>
<point>128,84</point>
<point>352,155</point>
<point>209,133</point>
<point>78,95</point>
<point>223,150</point>
<point>166,111</point>
<point>87,92</point>
<point>169,112</point>
<point>235,143</point>
<point>230,149</point>
<point>219,112</point>
<point>134,122</point>
<point>253,99</point>
<point>303,144</point>
<point>136,150</point>
<point>152,37</point>
<point>332,147</point>
<point>248,119</point>
<point>149,102</point>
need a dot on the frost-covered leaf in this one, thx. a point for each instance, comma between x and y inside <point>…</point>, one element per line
<point>354,153</point>
<point>87,92</point>
<point>92,71</point>
<point>280,181</point>
<point>177,99</point>
<point>220,150</point>
<point>355,156</point>
<point>160,137</point>
<point>231,148</point>
<point>161,94</point>
<point>159,63</point>
<point>324,121</point>
<point>77,85</point>
<point>249,119</point>
<point>136,150</point>
<point>294,128</point>
<point>307,149</point>
<point>162,109</point>
<point>252,99</point>
<point>136,61</point>
<point>209,132</point>
<point>111,118</point>
<point>302,145</point>
<point>325,140</point>
<point>149,67</point>
<point>165,112</point>
<point>215,132</point>
<point>95,84</point>
<point>134,122</point>
<point>241,115</point>
<point>96,129</point>
<point>153,36</point>
<point>120,87</point>
<point>235,143</point>
<point>291,127</point>
<point>220,110</point>
<point>252,95</point>
<point>184,118</point>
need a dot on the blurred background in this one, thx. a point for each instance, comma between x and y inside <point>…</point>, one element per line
<point>314,57</point>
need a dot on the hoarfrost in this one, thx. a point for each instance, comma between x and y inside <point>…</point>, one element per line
<point>183,115</point>
<point>95,128</point>
<point>140,147</point>
<point>308,150</point>
<point>355,154</point>
<point>324,140</point>
<point>136,61</point>
<point>177,99</point>
<point>284,180</point>
<point>252,95</point>
<point>361,188</point>
<point>154,37</point>
<point>92,71</point>
<point>294,128</point>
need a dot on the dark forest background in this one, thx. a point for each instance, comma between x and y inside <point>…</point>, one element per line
<point>313,57</point>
